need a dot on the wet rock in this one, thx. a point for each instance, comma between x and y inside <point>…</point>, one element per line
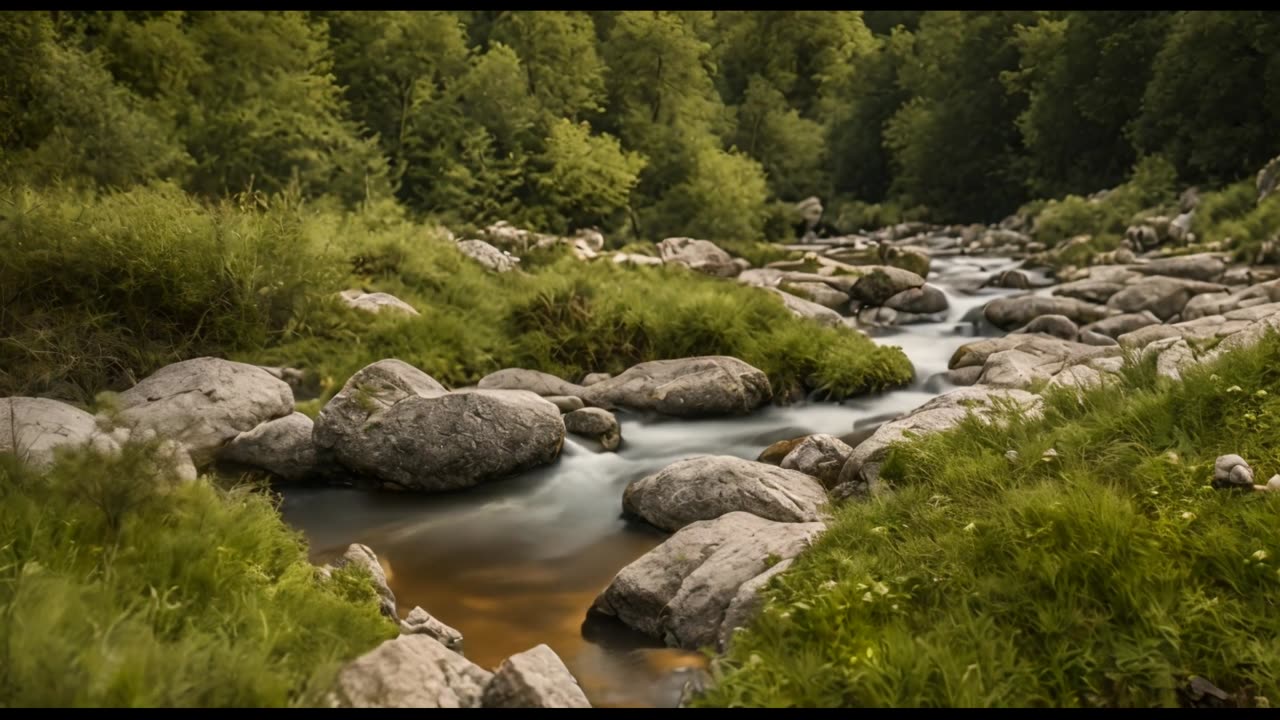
<point>1011,312</point>
<point>688,387</point>
<point>1231,471</point>
<point>1163,296</point>
<point>700,255</point>
<point>536,382</point>
<point>282,447</point>
<point>597,424</point>
<point>204,403</point>
<point>775,453</point>
<point>35,429</point>
<point>1205,267</point>
<point>1056,325</point>
<point>421,622</point>
<point>535,678</point>
<point>488,256</point>
<point>411,671</point>
<point>818,456</point>
<point>805,309</point>
<point>941,413</point>
<point>680,591</point>
<point>924,300</point>
<point>708,486</point>
<point>376,303</point>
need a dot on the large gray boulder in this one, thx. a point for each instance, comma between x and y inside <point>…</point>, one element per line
<point>820,293</point>
<point>1163,296</point>
<point>282,447</point>
<point>1117,325</point>
<point>1206,267</point>
<point>535,678</point>
<point>455,440</point>
<point>534,381</point>
<point>700,255</point>
<point>373,390</point>
<point>688,387</point>
<point>679,592</point>
<point>806,309</point>
<point>35,429</point>
<point>1007,313</point>
<point>924,300</point>
<point>376,303</point>
<point>818,456</point>
<point>746,603</point>
<point>861,471</point>
<point>708,486</point>
<point>204,403</point>
<point>1089,290</point>
<point>411,671</point>
<point>595,423</point>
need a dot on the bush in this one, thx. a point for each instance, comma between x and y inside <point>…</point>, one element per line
<point>1103,576</point>
<point>124,590</point>
<point>1150,188</point>
<point>1235,217</point>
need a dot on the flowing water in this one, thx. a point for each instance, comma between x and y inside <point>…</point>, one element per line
<point>515,563</point>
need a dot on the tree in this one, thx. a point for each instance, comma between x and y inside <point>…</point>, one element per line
<point>586,178</point>
<point>722,199</point>
<point>558,52</point>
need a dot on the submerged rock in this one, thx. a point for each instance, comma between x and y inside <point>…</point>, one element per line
<point>688,387</point>
<point>680,591</point>
<point>708,486</point>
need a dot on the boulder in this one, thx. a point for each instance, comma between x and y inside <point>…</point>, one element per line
<point>411,671</point>
<point>877,283</point>
<point>679,592</point>
<point>688,387</point>
<point>1207,304</point>
<point>820,293</point>
<point>362,556</point>
<point>565,403</point>
<point>1007,313</point>
<point>1094,291</point>
<point>805,309</point>
<point>778,451</point>
<point>535,678</point>
<point>373,390</point>
<point>1097,339</point>
<point>282,447</point>
<point>1173,355</point>
<point>1232,471</point>
<point>204,403</point>
<point>376,303</point>
<point>536,382</point>
<point>1163,296</point>
<point>861,471</point>
<point>35,429</point>
<point>421,622</point>
<point>636,259</point>
<point>818,456</point>
<point>1058,326</point>
<point>708,486</point>
<point>1118,325</point>
<point>1205,267</point>
<point>700,255</point>
<point>908,257</point>
<point>976,353</point>
<point>595,423</point>
<point>1013,279</point>
<point>746,603</point>
<point>450,441</point>
<point>489,256</point>
<point>593,378</point>
<point>924,300</point>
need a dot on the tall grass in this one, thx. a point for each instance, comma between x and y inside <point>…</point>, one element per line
<point>121,589</point>
<point>1104,576</point>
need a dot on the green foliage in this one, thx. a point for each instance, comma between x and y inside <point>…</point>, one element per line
<point>1104,576</point>
<point>1151,187</point>
<point>563,69</point>
<point>723,198</point>
<point>588,177</point>
<point>123,589</point>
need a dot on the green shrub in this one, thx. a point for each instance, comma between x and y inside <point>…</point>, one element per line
<point>1103,576</point>
<point>119,589</point>
<point>1150,188</point>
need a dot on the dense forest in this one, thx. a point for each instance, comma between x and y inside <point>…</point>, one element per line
<point>642,123</point>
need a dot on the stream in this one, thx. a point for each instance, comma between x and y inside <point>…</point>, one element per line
<point>518,562</point>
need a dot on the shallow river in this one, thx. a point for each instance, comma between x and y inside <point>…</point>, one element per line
<point>516,563</point>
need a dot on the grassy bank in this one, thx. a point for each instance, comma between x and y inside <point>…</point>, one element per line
<point>118,589</point>
<point>1102,577</point>
<point>99,290</point>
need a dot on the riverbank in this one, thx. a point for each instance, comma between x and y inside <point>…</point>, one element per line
<point>1080,559</point>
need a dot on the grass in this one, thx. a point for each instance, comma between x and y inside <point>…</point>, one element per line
<point>98,291</point>
<point>1149,191</point>
<point>1235,218</point>
<point>1103,577</point>
<point>121,589</point>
